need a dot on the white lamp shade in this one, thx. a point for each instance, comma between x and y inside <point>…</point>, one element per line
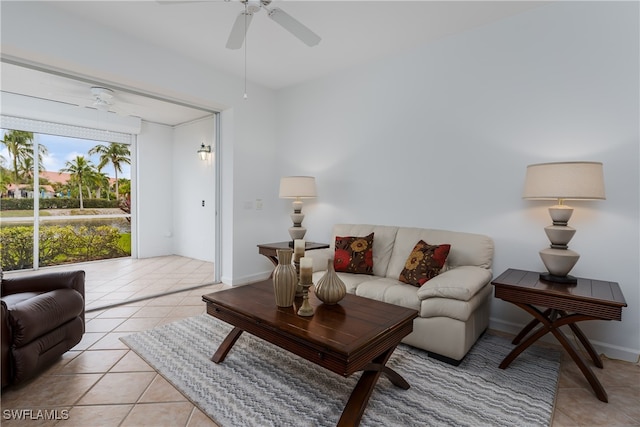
<point>294,187</point>
<point>564,180</point>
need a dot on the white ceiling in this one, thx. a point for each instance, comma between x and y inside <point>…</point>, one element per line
<point>353,32</point>
<point>38,84</point>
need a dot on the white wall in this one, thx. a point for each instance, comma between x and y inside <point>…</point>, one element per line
<point>193,184</point>
<point>153,178</point>
<point>440,137</point>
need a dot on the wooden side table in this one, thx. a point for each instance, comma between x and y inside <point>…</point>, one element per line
<point>565,305</point>
<point>270,249</point>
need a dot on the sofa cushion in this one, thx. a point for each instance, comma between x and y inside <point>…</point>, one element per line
<point>424,263</point>
<point>354,254</point>
<point>351,281</point>
<point>391,291</point>
<point>382,244</point>
<point>466,248</point>
<point>42,313</point>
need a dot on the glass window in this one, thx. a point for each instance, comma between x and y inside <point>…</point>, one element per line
<point>79,211</point>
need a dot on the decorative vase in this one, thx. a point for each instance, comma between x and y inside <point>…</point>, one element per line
<point>330,289</point>
<point>285,279</point>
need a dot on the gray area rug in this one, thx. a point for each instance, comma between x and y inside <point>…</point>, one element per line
<point>259,384</point>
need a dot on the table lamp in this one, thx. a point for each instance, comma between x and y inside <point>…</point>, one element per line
<point>298,188</point>
<point>562,181</point>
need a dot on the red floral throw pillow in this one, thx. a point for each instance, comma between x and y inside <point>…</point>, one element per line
<point>424,263</point>
<point>354,254</point>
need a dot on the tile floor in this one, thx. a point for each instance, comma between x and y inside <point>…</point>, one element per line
<point>118,280</point>
<point>102,383</point>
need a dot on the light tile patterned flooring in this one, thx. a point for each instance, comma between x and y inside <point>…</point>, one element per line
<point>102,383</point>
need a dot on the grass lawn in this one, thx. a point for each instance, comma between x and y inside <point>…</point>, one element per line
<point>23,213</point>
<point>125,242</point>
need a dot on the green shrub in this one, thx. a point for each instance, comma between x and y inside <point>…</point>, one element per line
<point>99,203</point>
<point>56,203</point>
<point>125,242</point>
<point>53,248</point>
<point>16,204</point>
<point>60,245</point>
<point>16,247</point>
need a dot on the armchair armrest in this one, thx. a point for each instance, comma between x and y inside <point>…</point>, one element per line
<point>5,337</point>
<point>460,283</point>
<point>44,282</point>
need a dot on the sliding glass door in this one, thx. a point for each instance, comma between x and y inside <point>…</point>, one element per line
<point>64,200</point>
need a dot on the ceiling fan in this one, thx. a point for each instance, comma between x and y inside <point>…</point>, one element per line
<point>241,24</point>
<point>288,22</point>
<point>102,98</point>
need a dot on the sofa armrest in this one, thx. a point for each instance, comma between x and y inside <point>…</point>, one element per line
<point>320,258</point>
<point>460,283</point>
<point>44,282</point>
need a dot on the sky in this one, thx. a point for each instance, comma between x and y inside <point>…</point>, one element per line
<point>62,149</point>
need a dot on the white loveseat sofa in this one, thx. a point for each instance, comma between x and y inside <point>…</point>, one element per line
<point>453,307</point>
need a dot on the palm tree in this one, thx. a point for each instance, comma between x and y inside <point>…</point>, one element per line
<point>101,181</point>
<point>116,154</point>
<point>5,179</point>
<point>19,143</point>
<point>80,170</point>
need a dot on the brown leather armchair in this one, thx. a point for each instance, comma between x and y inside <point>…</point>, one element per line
<point>42,318</point>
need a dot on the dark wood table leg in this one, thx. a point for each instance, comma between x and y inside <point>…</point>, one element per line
<point>540,332</point>
<point>579,360</point>
<point>352,413</point>
<point>226,345</point>
<point>395,378</point>
<point>586,344</point>
<point>554,328</point>
<point>523,333</point>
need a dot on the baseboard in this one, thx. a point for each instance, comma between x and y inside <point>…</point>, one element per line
<point>243,280</point>
<point>611,351</point>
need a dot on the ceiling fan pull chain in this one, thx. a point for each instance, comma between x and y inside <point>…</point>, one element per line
<point>245,50</point>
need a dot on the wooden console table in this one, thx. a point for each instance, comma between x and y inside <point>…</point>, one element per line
<point>270,249</point>
<point>565,305</point>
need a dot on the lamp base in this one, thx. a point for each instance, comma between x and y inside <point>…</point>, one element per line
<point>297,232</point>
<point>566,280</point>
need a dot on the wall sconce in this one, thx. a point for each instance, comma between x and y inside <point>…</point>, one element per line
<point>204,151</point>
<point>562,181</point>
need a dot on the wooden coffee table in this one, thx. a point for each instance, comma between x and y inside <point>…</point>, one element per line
<point>357,334</point>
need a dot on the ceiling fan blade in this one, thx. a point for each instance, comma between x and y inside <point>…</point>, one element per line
<point>294,26</point>
<point>239,30</point>
<point>165,2</point>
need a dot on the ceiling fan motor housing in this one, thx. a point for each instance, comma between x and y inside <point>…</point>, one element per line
<point>254,6</point>
<point>102,98</point>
